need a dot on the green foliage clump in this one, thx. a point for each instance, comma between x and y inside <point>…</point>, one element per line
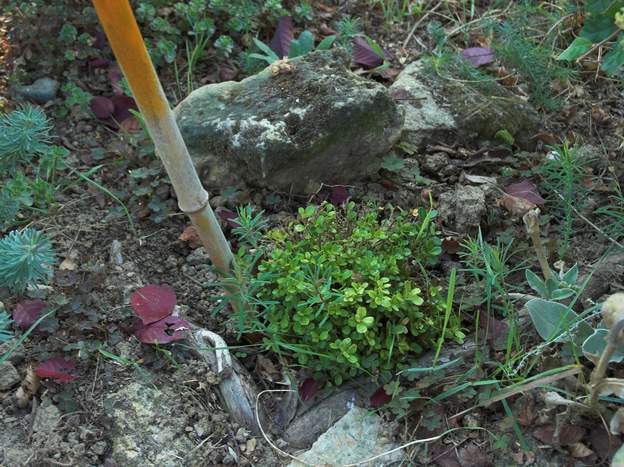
<point>349,290</point>
<point>26,259</point>
<point>23,133</point>
<point>603,20</point>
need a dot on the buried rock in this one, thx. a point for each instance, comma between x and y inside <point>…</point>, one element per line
<point>443,108</point>
<point>356,437</point>
<point>293,126</point>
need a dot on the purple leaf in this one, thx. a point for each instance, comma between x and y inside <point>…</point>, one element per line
<point>380,398</point>
<point>308,389</point>
<point>525,189</point>
<point>478,56</point>
<point>166,330</point>
<point>100,40</point>
<point>102,107</point>
<point>98,63</point>
<point>153,302</point>
<point>229,217</point>
<point>27,312</point>
<point>339,195</point>
<point>282,37</point>
<point>363,54</point>
<point>123,104</point>
<point>57,368</point>
<point>115,76</point>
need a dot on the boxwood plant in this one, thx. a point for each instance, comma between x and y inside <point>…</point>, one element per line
<point>347,289</point>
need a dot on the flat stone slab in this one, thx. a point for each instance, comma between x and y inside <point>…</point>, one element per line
<point>357,436</point>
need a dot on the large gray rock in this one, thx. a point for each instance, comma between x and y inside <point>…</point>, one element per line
<point>441,109</point>
<point>290,127</point>
<point>357,436</point>
<point>9,376</point>
<point>39,92</point>
<point>146,428</point>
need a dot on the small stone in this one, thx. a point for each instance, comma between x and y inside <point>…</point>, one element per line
<point>116,257</point>
<point>198,256</point>
<point>9,376</point>
<point>39,92</point>
<point>434,163</point>
<point>241,435</point>
<point>251,444</point>
<point>463,208</point>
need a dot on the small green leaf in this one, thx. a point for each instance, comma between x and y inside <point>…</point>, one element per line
<point>326,43</point>
<point>392,163</point>
<point>270,55</point>
<point>613,61</point>
<point>361,328</point>
<point>536,283</point>
<point>571,276</point>
<point>505,136</point>
<point>594,346</point>
<point>578,47</point>
<point>551,319</point>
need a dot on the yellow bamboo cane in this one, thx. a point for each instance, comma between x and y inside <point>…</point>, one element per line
<point>127,43</point>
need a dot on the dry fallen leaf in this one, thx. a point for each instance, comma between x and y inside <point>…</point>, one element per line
<point>29,387</point>
<point>568,434</point>
<point>516,206</point>
<point>580,451</point>
<point>524,410</point>
<point>190,236</point>
<point>67,265</point>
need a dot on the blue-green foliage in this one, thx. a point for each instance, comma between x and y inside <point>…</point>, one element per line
<point>5,322</point>
<point>26,258</point>
<point>24,133</point>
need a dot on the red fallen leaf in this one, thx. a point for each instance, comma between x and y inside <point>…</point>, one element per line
<point>229,217</point>
<point>363,54</point>
<point>27,312</point>
<point>280,44</point>
<point>227,72</point>
<point>190,235</point>
<point>497,331</point>
<point>115,76</point>
<point>568,434</point>
<point>153,302</point>
<point>380,398</point>
<point>308,389</point>
<point>98,63</point>
<point>102,107</point>
<point>166,330</point>
<point>130,125</point>
<point>57,368</point>
<point>450,245</point>
<point>525,189</point>
<point>100,40</point>
<point>478,56</point>
<point>123,104</point>
<point>516,206</point>
<point>339,195</point>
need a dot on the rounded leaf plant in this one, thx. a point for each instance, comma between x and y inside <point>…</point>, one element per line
<point>347,290</point>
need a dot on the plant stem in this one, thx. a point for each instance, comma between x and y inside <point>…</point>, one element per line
<point>613,342</point>
<point>531,222</point>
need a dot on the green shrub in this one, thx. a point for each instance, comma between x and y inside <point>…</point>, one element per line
<point>349,290</point>
<point>23,133</point>
<point>26,259</point>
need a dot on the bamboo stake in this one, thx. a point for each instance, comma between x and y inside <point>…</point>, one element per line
<point>127,43</point>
